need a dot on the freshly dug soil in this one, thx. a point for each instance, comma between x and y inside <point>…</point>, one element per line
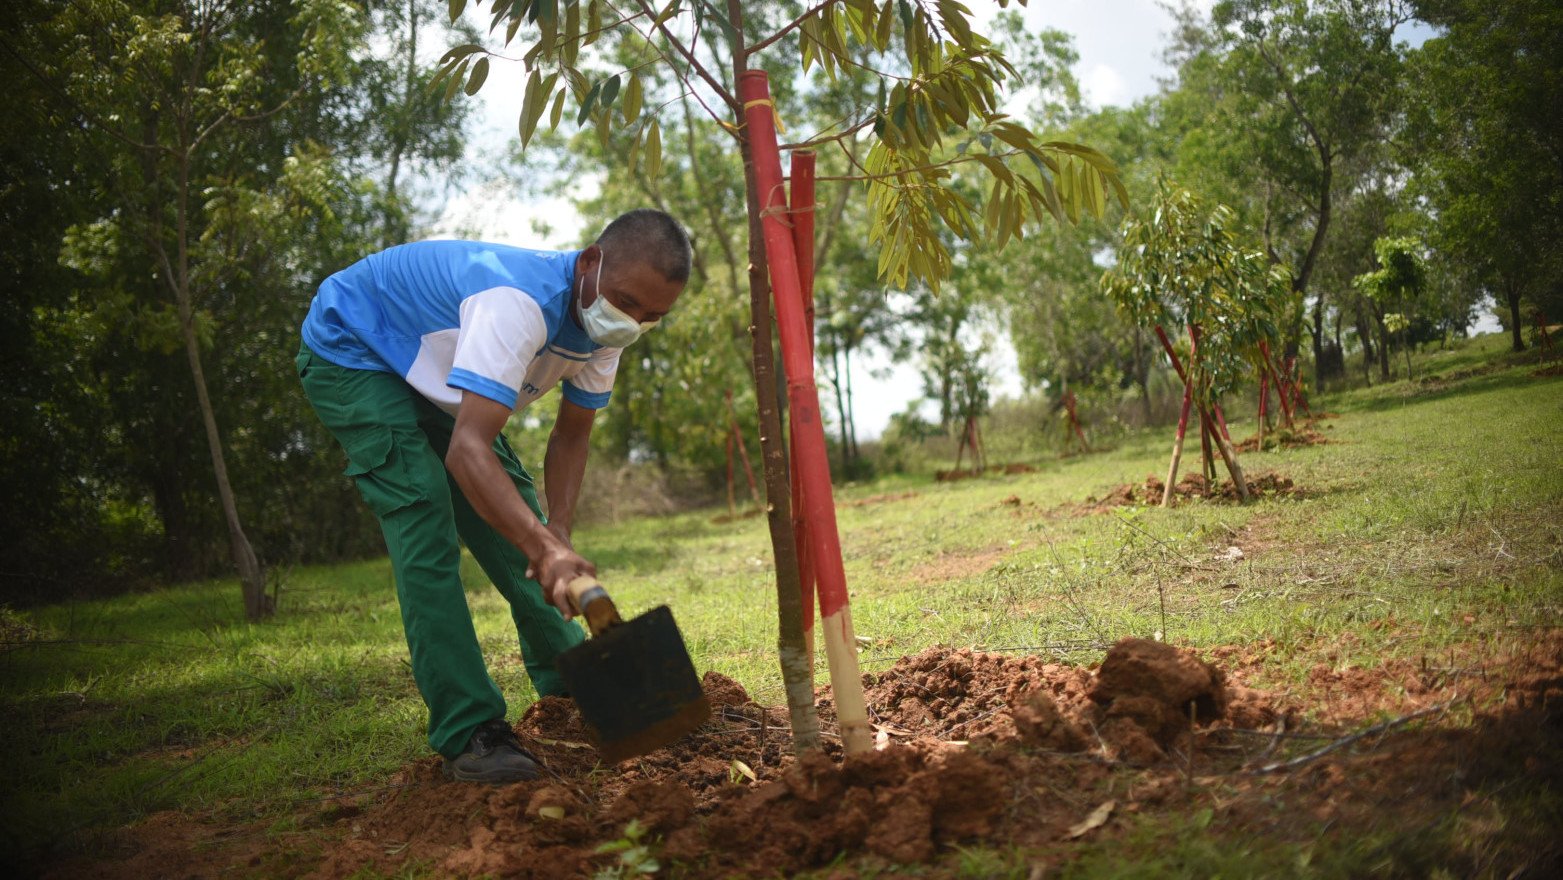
<point>1191,486</point>
<point>954,726</point>
<point>1306,435</point>
<point>951,476</point>
<point>1011,751</point>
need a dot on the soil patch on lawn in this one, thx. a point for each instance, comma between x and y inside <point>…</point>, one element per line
<point>1191,487</point>
<point>1305,435</point>
<point>1008,751</point>
<point>951,476</point>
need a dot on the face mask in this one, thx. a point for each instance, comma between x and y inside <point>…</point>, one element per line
<point>605,323</point>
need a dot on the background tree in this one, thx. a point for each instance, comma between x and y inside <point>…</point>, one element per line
<point>1396,286</point>
<point>1487,143</point>
<point>1284,103</point>
<point>274,124</point>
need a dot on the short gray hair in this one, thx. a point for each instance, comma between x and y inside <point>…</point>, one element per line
<point>653,237</point>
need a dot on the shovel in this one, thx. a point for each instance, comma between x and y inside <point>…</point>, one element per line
<point>632,680</point>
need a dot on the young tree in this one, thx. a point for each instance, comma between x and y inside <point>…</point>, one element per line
<point>1285,100</point>
<point>936,115</point>
<point>1396,286</point>
<point>1182,265</point>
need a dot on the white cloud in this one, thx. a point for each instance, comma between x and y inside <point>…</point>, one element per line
<point>1104,86</point>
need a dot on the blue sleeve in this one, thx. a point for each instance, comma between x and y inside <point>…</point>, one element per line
<point>470,381</point>
<point>587,399</point>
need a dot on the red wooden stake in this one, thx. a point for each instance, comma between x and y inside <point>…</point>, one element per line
<point>801,208</point>
<point>732,503</point>
<point>1177,365</point>
<point>803,396</point>
<point>1183,414</point>
<point>1264,400</point>
<point>1280,387</point>
<point>1074,420</point>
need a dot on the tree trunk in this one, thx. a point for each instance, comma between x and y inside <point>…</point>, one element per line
<point>1142,375</point>
<point>1383,349</point>
<point>1229,455</point>
<point>396,231</point>
<point>1311,258</point>
<point>1365,333</point>
<point>1513,296</point>
<point>1177,444</point>
<point>252,580</point>
<point>797,662</point>
<point>846,364</point>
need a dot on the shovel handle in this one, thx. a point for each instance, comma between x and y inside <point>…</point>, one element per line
<point>591,601</point>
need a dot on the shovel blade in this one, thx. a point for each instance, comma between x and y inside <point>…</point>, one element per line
<point>635,686</point>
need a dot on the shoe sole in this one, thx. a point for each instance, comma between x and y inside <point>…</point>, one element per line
<point>490,778</point>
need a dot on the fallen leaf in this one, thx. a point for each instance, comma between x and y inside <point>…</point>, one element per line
<point>551,812</point>
<point>1097,819</point>
<point>744,770</point>
<point>893,731</point>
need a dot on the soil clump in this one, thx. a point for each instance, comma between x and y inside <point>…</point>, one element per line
<point>1192,486</point>
<point>1303,435</point>
<point>951,476</point>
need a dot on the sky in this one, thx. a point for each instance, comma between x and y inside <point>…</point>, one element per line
<point>1120,44</point>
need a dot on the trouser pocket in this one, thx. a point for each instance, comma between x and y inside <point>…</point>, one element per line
<point>378,460</point>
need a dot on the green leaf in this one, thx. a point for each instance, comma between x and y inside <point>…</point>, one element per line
<point>558,111</point>
<point>593,22</point>
<point>479,74</point>
<point>632,98</point>
<point>461,51</point>
<point>587,102</point>
<point>654,150</point>
<point>532,104</point>
<point>720,17</point>
<point>455,81</point>
<point>610,90</point>
<point>882,33</point>
<point>456,8</point>
<point>667,12</point>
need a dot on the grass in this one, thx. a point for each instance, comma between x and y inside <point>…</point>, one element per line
<point>1437,505</point>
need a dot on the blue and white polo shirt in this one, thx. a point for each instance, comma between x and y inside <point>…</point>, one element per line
<point>453,316</point>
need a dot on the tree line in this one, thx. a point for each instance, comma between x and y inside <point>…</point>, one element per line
<point>180,175</point>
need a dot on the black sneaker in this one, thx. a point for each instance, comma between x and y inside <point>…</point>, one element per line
<point>494,755</point>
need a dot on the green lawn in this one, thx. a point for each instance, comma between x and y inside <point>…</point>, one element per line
<point>1439,504</point>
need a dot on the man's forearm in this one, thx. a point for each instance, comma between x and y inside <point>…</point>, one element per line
<point>486,485</point>
<point>564,467</point>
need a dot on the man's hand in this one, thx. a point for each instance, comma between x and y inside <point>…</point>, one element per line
<point>554,571</point>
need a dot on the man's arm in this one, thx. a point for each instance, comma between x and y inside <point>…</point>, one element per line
<point>565,465</point>
<point>472,462</point>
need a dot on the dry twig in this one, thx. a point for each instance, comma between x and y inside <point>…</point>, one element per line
<point>1344,741</point>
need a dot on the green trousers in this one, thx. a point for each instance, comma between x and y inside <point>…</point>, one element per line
<point>395,441</point>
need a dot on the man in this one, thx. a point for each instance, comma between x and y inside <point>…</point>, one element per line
<point>414,358</point>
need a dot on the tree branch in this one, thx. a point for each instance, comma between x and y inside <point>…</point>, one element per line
<point>788,28</point>
<point>694,63</point>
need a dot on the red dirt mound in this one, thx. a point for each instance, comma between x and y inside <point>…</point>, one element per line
<point>1011,468</point>
<point>1306,435</point>
<point>1191,486</point>
<point>1144,699</point>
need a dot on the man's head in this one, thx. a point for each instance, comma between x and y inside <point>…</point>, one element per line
<point>639,264</point>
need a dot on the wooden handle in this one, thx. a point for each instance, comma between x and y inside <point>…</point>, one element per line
<point>590,600</point>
